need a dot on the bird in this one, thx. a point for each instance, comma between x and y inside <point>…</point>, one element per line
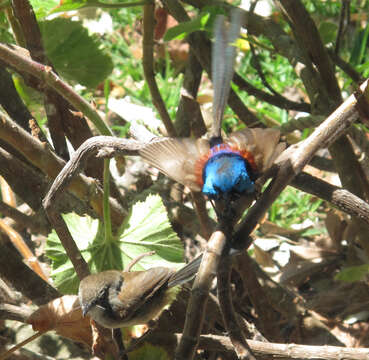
<point>222,168</point>
<point>116,299</point>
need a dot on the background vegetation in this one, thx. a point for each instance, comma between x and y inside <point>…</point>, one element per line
<point>304,279</point>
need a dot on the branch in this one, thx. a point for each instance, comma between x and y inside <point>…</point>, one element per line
<point>188,104</point>
<point>50,164</point>
<point>265,350</point>
<point>148,66</point>
<point>22,64</point>
<point>339,197</point>
<point>23,279</point>
<point>103,146</point>
<point>32,36</point>
<point>306,31</point>
<point>233,327</point>
<point>199,296</point>
<point>293,160</point>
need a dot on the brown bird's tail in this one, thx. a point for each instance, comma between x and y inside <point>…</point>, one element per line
<point>187,273</point>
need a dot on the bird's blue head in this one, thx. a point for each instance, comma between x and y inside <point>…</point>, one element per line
<point>227,174</point>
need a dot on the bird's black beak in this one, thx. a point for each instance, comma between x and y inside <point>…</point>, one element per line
<point>86,308</point>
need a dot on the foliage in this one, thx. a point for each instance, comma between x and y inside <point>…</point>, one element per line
<point>145,229</point>
<point>74,53</point>
<point>109,65</point>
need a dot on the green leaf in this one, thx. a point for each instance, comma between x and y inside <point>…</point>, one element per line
<point>149,352</point>
<point>185,28</point>
<point>68,5</point>
<point>146,228</point>
<point>76,55</point>
<point>353,273</point>
<point>42,8</point>
<point>328,31</point>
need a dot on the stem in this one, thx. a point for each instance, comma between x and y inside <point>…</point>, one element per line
<point>107,220</point>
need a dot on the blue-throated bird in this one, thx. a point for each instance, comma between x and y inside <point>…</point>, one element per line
<point>222,168</point>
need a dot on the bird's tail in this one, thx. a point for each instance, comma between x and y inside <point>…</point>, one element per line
<point>187,273</point>
<point>223,57</point>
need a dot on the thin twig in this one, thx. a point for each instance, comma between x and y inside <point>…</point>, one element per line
<point>344,20</point>
<point>137,259</point>
<point>276,99</point>
<point>235,333</point>
<point>7,353</point>
<point>44,73</point>
<point>148,66</point>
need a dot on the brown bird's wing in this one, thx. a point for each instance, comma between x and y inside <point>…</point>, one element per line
<point>144,294</point>
<point>177,158</point>
<point>263,144</point>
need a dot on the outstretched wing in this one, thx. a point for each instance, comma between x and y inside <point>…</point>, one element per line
<point>262,145</point>
<point>177,158</point>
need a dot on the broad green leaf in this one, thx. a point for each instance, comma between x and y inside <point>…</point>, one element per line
<point>353,273</point>
<point>76,55</point>
<point>146,228</point>
<point>84,231</point>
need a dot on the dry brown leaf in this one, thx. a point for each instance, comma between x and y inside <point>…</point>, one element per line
<point>63,315</point>
<point>263,258</point>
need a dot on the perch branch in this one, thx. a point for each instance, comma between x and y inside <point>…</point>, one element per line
<point>293,160</point>
<point>102,146</point>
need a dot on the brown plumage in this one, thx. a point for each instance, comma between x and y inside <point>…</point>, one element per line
<point>117,299</point>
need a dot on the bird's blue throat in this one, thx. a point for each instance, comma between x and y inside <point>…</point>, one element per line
<point>226,174</point>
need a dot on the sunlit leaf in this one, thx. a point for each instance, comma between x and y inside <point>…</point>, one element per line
<point>76,55</point>
<point>146,228</point>
<point>42,8</point>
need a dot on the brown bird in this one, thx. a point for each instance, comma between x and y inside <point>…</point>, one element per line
<point>117,299</point>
